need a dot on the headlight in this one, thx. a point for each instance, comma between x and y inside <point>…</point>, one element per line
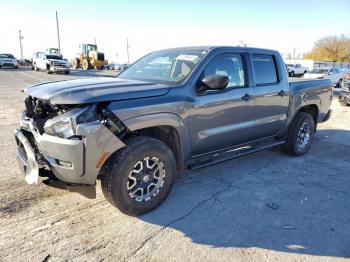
<point>64,125</point>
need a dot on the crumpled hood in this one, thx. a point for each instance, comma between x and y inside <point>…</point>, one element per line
<point>92,90</point>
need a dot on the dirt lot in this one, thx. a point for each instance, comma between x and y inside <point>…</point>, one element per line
<point>218,213</point>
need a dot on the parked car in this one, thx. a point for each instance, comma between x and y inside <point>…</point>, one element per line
<point>345,73</point>
<point>8,61</point>
<point>50,63</point>
<point>121,67</point>
<point>24,62</point>
<point>344,95</point>
<point>138,131</point>
<point>109,67</point>
<point>296,69</point>
<point>332,74</point>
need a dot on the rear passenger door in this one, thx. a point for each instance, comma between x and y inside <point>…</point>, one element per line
<point>271,94</point>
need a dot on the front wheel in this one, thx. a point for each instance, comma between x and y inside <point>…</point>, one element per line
<point>86,64</point>
<point>300,135</point>
<point>140,176</point>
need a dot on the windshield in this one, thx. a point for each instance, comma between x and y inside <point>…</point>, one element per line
<point>53,57</point>
<point>168,66</point>
<point>91,47</point>
<point>319,71</point>
<point>6,56</point>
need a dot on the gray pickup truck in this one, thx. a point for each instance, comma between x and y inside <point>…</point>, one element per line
<point>172,109</point>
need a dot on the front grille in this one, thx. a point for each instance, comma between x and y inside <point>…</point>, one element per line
<point>100,56</point>
<point>8,65</point>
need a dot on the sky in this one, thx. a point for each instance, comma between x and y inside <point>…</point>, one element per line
<point>157,24</point>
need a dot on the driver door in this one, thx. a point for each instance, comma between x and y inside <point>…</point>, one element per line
<point>223,118</point>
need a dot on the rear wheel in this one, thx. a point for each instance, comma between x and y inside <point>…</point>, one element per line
<point>300,135</point>
<point>140,176</point>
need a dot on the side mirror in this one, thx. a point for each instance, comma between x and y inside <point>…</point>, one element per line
<point>215,82</point>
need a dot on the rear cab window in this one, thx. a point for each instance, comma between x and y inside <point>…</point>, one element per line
<point>265,71</point>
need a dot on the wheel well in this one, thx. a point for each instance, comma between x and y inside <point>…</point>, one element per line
<point>312,110</point>
<point>170,137</point>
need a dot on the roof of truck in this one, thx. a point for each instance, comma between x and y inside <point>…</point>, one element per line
<point>254,49</point>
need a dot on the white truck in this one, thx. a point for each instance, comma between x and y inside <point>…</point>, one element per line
<point>331,73</point>
<point>296,69</point>
<point>51,63</point>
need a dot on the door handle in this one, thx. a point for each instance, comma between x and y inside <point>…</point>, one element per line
<point>247,97</point>
<point>281,93</point>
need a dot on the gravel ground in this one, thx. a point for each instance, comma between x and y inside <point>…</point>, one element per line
<point>263,207</point>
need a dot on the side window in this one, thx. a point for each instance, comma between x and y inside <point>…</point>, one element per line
<point>229,65</point>
<point>336,70</point>
<point>264,69</point>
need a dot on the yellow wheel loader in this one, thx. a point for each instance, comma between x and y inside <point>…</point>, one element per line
<point>89,58</point>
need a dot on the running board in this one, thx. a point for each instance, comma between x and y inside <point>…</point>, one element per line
<point>232,153</point>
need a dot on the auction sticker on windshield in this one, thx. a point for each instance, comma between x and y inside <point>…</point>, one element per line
<point>191,58</point>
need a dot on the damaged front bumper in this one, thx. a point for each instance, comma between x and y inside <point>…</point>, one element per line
<point>58,69</point>
<point>72,161</point>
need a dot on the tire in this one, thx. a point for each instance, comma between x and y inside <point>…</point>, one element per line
<point>291,74</point>
<point>86,64</point>
<point>300,135</point>
<point>67,72</point>
<point>122,167</point>
<point>76,63</point>
<point>340,83</point>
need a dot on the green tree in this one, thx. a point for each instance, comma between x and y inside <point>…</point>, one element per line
<point>331,48</point>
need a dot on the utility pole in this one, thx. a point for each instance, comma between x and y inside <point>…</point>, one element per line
<point>58,35</point>
<point>95,40</point>
<point>20,43</point>
<point>127,50</point>
<point>293,53</point>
